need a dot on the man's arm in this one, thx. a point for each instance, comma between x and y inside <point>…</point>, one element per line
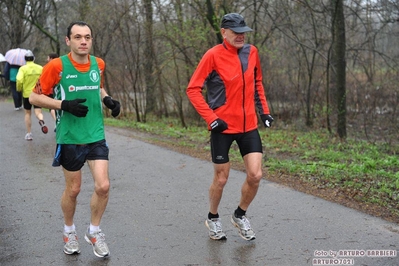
<point>194,89</point>
<point>6,72</point>
<point>112,104</point>
<point>260,96</point>
<point>44,101</point>
<point>74,107</point>
<point>20,80</point>
<point>103,93</point>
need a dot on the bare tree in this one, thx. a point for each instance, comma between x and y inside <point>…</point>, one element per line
<point>149,56</point>
<point>13,19</point>
<point>339,64</point>
<point>325,64</point>
<point>38,15</point>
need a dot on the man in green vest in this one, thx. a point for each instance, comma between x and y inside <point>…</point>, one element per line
<point>76,82</point>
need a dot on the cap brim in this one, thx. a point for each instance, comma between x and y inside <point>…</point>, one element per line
<point>241,29</point>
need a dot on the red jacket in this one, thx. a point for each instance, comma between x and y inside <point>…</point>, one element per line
<point>233,79</point>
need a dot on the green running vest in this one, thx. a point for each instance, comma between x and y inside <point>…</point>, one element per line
<point>74,84</point>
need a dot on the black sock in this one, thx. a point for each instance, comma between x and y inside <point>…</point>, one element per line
<point>239,213</point>
<point>213,216</point>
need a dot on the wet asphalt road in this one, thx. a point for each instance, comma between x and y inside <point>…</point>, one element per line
<point>157,207</point>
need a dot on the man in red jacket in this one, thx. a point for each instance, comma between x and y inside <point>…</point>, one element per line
<point>233,77</point>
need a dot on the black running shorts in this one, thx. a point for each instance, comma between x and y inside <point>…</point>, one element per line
<point>72,157</point>
<point>247,143</point>
<point>28,105</point>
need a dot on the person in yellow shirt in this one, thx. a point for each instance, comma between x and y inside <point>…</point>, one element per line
<point>26,80</point>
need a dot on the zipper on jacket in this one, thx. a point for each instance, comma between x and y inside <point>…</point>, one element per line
<point>243,91</point>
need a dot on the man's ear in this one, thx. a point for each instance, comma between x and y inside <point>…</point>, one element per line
<point>67,40</point>
<point>222,31</point>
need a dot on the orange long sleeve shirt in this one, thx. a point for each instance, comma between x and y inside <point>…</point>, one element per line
<point>233,79</point>
<point>52,71</point>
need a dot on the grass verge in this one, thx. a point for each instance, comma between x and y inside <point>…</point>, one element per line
<point>354,173</point>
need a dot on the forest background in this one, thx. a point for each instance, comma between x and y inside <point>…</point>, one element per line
<point>330,70</point>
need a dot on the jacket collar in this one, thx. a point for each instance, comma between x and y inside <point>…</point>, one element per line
<point>229,47</point>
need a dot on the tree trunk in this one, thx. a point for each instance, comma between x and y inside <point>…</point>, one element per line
<point>339,64</point>
<point>148,65</point>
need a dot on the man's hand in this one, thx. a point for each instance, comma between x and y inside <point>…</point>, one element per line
<point>112,104</point>
<point>218,126</point>
<point>75,107</point>
<point>267,120</point>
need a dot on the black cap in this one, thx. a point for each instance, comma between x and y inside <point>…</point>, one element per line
<point>29,56</point>
<point>235,22</point>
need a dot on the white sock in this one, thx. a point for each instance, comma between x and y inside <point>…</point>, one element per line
<point>94,228</point>
<point>68,229</point>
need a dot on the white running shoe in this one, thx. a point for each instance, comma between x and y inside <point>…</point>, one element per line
<point>244,227</point>
<point>215,229</point>
<point>28,136</point>
<point>71,243</point>
<point>97,240</point>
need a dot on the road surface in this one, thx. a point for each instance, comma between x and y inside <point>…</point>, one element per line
<point>158,203</point>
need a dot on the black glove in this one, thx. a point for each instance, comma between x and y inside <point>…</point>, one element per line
<point>218,126</point>
<point>112,104</point>
<point>267,120</point>
<point>75,107</point>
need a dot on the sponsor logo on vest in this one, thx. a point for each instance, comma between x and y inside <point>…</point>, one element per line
<point>94,76</point>
<point>86,88</point>
<point>72,88</point>
<point>69,76</point>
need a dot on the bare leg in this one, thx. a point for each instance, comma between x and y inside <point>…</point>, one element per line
<point>28,123</point>
<point>221,174</point>
<point>73,182</point>
<point>38,113</point>
<point>253,166</point>
<point>99,199</point>
<point>52,112</point>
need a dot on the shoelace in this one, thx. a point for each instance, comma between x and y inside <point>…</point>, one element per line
<point>100,240</point>
<point>72,239</point>
<point>245,222</point>
<point>218,225</point>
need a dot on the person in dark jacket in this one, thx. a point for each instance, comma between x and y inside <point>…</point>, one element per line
<point>10,73</point>
<point>232,74</point>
